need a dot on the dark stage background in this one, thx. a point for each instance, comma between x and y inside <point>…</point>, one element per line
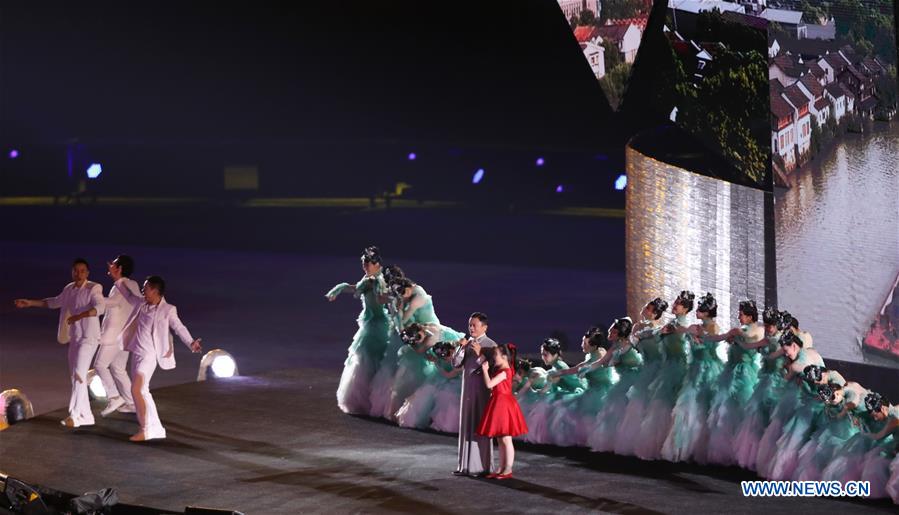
<point>326,99</point>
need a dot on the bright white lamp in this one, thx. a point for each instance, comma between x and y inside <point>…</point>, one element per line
<point>95,385</point>
<point>7,398</point>
<point>217,363</point>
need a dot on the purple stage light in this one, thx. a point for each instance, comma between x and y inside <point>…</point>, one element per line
<point>559,189</point>
<point>412,156</point>
<point>478,175</point>
<point>540,161</point>
<point>13,154</point>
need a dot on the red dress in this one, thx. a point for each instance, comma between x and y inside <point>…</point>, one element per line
<point>503,416</point>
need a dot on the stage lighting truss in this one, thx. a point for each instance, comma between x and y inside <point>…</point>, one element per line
<point>7,397</point>
<point>217,363</point>
<point>95,386</point>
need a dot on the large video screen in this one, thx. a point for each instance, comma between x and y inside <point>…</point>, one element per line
<point>799,98</point>
<point>609,33</point>
<point>835,161</point>
<point>717,88</point>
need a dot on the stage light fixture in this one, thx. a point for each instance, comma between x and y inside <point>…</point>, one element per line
<point>540,161</point>
<point>15,407</point>
<point>560,188</point>
<point>412,156</point>
<point>621,182</point>
<point>478,176</point>
<point>217,363</point>
<point>94,170</point>
<point>95,385</point>
<point>13,154</point>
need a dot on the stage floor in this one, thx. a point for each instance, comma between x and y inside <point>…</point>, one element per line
<point>276,443</point>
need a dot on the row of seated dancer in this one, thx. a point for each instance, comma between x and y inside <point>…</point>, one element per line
<point>756,396</point>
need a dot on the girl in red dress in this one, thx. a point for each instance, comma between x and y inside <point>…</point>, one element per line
<point>502,419</point>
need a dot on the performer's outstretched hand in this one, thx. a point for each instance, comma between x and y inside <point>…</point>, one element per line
<point>195,346</point>
<point>335,291</point>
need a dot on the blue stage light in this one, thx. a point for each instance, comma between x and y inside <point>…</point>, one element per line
<point>94,170</point>
<point>13,154</point>
<point>540,161</point>
<point>621,182</point>
<point>478,175</point>
<point>412,156</point>
<point>560,188</point>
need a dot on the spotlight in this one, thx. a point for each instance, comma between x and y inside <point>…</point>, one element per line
<point>15,408</point>
<point>13,154</point>
<point>540,161</point>
<point>621,182</point>
<point>560,188</point>
<point>94,170</point>
<point>95,385</point>
<point>219,362</point>
<point>412,156</point>
<point>478,175</point>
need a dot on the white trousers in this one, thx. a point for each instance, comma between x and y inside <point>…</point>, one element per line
<point>111,367</point>
<point>142,368</point>
<point>81,354</point>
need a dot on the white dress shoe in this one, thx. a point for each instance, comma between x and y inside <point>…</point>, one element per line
<point>73,423</point>
<point>127,408</point>
<point>143,436</point>
<point>112,405</point>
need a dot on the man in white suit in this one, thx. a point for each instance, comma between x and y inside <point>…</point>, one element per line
<point>147,338</point>
<point>79,304</point>
<point>112,358</point>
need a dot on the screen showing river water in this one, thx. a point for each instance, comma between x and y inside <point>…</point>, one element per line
<point>838,241</point>
<point>835,160</point>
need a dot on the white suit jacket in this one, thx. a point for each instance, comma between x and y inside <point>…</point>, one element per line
<point>124,299</point>
<point>72,301</point>
<point>159,342</point>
